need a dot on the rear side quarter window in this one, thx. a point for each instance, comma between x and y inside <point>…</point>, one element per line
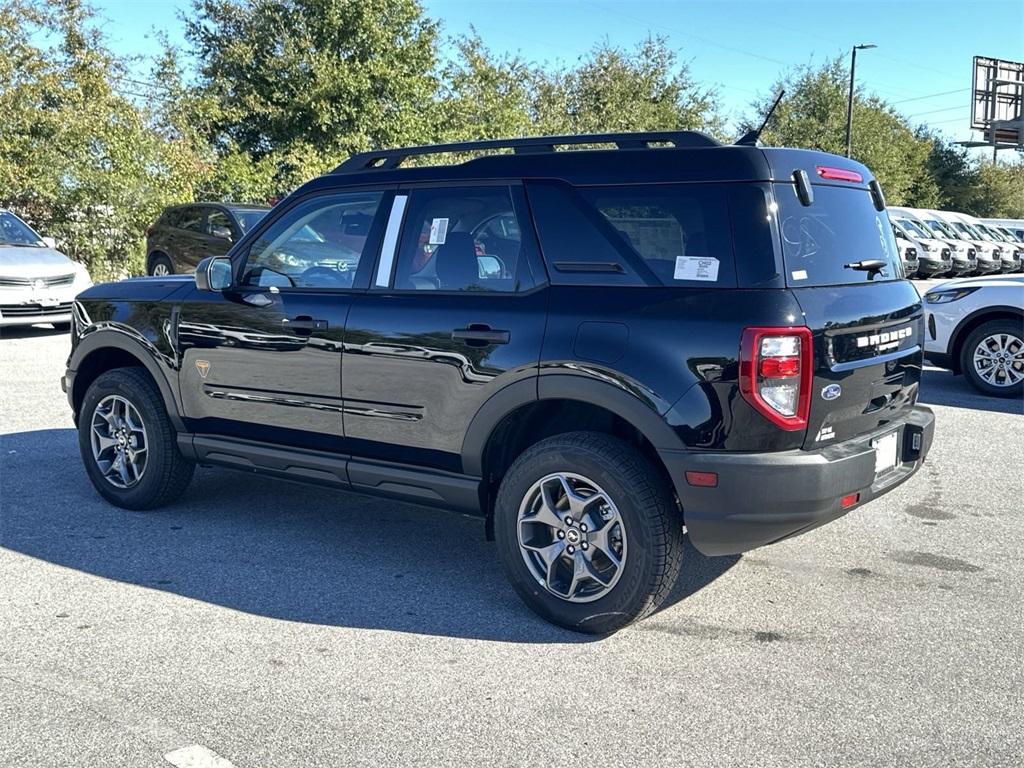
<point>672,234</point>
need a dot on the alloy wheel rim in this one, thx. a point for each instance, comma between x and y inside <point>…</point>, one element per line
<point>572,537</point>
<point>120,446</point>
<point>999,359</point>
<point>160,270</point>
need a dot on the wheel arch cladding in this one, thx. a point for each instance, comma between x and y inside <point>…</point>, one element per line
<point>515,418</point>
<point>103,351</point>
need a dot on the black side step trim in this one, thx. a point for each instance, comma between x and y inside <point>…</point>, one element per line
<point>449,490</point>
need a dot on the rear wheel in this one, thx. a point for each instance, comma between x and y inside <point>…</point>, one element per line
<point>588,532</point>
<point>992,358</point>
<point>128,444</point>
<point>160,266</point>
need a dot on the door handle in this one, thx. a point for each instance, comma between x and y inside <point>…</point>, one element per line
<point>479,335</point>
<point>304,324</point>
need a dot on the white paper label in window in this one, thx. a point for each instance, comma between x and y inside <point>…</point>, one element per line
<point>438,231</point>
<point>799,274</point>
<point>696,268</point>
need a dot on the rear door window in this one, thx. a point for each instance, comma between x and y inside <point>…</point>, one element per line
<point>192,218</point>
<point>839,228</point>
<point>462,239</point>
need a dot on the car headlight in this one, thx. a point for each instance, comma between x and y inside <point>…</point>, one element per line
<point>82,278</point>
<point>944,297</point>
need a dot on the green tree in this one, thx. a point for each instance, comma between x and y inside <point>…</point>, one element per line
<point>78,158</point>
<point>483,96</point>
<point>307,82</point>
<point>813,115</point>
<point>614,89</point>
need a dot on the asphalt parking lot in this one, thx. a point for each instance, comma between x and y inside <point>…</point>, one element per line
<point>277,625</point>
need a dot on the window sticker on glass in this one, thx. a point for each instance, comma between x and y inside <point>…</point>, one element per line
<point>799,274</point>
<point>696,268</point>
<point>438,231</point>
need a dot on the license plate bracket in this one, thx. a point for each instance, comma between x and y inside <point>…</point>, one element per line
<point>886,452</point>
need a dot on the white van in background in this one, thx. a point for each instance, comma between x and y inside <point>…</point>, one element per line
<point>1014,226</point>
<point>1013,250</point>
<point>962,257</point>
<point>944,222</point>
<point>1009,255</point>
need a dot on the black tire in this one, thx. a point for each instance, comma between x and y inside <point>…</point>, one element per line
<point>163,260</point>
<point>650,517</point>
<point>1014,331</point>
<point>167,473</point>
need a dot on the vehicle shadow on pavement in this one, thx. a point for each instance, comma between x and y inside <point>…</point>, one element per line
<point>279,549</point>
<point>943,388</point>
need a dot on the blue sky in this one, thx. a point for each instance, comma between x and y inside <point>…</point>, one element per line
<point>922,64</point>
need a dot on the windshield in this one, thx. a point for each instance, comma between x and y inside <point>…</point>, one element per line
<point>841,227</point>
<point>248,219</point>
<point>969,231</point>
<point>914,228</point>
<point>13,231</point>
<point>943,228</point>
<point>1011,236</point>
<point>993,234</point>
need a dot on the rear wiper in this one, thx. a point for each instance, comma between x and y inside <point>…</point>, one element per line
<point>871,266</point>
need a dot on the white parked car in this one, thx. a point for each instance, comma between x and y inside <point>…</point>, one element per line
<point>38,283</point>
<point>976,327</point>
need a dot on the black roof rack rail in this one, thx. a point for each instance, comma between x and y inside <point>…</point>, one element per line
<point>389,159</point>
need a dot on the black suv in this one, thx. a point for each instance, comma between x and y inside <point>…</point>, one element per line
<point>591,349</point>
<point>184,235</point>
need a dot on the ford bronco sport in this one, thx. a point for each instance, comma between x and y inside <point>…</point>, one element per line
<point>592,342</point>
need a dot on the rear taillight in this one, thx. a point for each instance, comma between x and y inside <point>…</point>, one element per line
<point>776,374</point>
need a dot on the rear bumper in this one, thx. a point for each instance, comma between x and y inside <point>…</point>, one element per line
<point>763,498</point>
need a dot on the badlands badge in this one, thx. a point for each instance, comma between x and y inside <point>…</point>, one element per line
<point>203,366</point>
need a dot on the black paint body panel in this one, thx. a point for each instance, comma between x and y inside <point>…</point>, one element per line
<point>382,396</point>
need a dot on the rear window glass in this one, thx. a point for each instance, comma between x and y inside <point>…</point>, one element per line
<point>841,227</point>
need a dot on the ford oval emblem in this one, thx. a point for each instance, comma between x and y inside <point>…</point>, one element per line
<point>831,392</point>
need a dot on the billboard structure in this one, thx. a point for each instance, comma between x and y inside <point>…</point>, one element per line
<point>996,96</point>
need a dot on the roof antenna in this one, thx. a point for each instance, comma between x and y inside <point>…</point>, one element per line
<point>749,139</point>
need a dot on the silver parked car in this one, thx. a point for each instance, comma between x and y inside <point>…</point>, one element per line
<point>38,283</point>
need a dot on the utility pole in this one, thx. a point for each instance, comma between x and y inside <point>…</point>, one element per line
<point>849,104</point>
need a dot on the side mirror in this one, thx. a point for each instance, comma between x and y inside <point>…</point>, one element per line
<point>213,274</point>
<point>49,242</point>
<point>488,266</point>
<point>900,235</point>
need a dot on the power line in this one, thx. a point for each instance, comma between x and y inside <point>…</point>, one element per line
<point>649,25</point>
<point>932,95</point>
<point>936,111</point>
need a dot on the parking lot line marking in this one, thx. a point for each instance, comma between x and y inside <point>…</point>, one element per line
<point>197,756</point>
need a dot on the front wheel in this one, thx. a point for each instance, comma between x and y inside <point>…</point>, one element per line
<point>588,532</point>
<point>992,358</point>
<point>128,443</point>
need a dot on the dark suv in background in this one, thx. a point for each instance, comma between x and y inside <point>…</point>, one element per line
<point>184,235</point>
<point>591,349</point>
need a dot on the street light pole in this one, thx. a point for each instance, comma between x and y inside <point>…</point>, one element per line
<point>849,103</point>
